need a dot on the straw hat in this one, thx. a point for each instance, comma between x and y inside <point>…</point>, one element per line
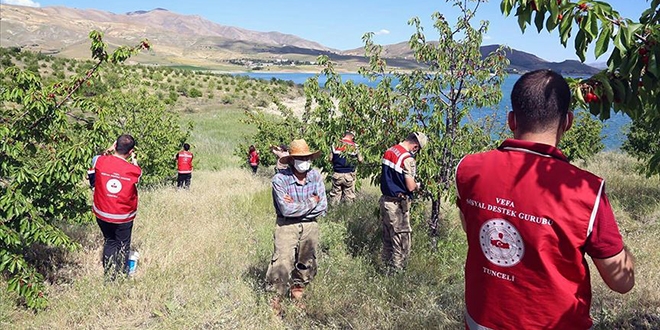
<point>299,148</point>
<point>422,139</point>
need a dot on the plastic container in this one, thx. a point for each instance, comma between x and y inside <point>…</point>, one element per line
<point>132,262</point>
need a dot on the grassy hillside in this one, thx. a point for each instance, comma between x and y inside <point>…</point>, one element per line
<point>204,255</point>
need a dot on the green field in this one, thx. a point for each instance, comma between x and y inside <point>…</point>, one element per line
<point>204,254</point>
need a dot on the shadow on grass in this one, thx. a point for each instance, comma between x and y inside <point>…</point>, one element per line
<point>632,320</point>
<point>56,263</point>
<point>363,227</point>
<point>255,275</point>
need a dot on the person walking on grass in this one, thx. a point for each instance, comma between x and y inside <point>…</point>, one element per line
<point>344,157</point>
<point>116,202</point>
<point>397,184</point>
<point>299,199</point>
<point>253,158</point>
<point>184,167</point>
<point>530,217</point>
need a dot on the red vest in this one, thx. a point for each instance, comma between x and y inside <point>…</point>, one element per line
<point>392,179</point>
<point>528,215</point>
<point>115,192</point>
<point>184,162</point>
<point>254,158</point>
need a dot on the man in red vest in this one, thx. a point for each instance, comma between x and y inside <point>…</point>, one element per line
<point>530,217</point>
<point>184,167</point>
<point>115,203</point>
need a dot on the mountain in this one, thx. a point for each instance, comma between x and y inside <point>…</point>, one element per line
<point>519,61</point>
<point>175,37</point>
<point>192,40</point>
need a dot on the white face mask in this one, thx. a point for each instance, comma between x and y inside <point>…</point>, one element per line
<point>302,166</point>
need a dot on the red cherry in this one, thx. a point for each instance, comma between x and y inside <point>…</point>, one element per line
<point>559,17</point>
<point>533,5</point>
<point>591,97</point>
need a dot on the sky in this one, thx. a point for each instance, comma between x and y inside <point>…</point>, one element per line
<point>340,24</point>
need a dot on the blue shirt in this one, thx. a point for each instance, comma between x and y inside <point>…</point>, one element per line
<point>303,206</point>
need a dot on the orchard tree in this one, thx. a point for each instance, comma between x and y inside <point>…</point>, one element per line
<point>631,82</point>
<point>132,110</point>
<point>438,97</point>
<point>49,134</point>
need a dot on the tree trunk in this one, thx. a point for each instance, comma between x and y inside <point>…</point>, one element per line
<point>434,222</point>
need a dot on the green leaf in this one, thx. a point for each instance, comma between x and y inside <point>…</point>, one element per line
<point>565,28</point>
<point>553,20</point>
<point>603,40</point>
<point>538,20</point>
<point>590,26</point>
<point>652,66</point>
<point>581,45</point>
<point>505,7</point>
<point>524,16</point>
<point>619,41</point>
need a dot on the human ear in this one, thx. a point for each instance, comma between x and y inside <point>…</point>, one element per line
<point>569,121</point>
<point>511,120</point>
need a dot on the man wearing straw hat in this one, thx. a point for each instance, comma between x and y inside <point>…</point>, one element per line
<point>299,199</point>
<point>397,184</point>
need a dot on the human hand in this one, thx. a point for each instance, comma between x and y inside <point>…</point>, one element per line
<point>316,198</point>
<point>111,149</point>
<point>288,199</point>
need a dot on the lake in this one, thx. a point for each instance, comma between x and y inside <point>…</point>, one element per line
<point>613,130</point>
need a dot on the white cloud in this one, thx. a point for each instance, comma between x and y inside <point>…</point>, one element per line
<point>382,32</point>
<point>26,3</point>
<point>486,37</point>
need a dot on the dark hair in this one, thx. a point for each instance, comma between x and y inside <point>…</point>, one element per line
<point>284,147</point>
<point>251,149</point>
<point>125,143</point>
<point>186,146</point>
<point>412,138</point>
<point>539,100</point>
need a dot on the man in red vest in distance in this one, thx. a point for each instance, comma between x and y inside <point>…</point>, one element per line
<point>253,158</point>
<point>397,183</point>
<point>530,217</point>
<point>184,167</point>
<point>115,202</point>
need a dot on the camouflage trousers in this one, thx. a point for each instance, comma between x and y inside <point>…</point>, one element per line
<point>395,217</point>
<point>294,259</point>
<point>343,184</point>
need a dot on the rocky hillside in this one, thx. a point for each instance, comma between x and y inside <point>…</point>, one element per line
<point>195,41</point>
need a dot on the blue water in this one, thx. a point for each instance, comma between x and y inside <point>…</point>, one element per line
<point>613,131</point>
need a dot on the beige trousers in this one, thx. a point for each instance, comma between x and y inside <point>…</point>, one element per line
<point>395,216</point>
<point>294,258</point>
<point>343,184</point>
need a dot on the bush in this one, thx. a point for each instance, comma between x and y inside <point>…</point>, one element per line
<point>643,140</point>
<point>194,92</point>
<point>584,139</point>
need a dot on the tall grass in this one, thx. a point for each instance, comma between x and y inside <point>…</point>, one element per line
<point>215,136</point>
<point>204,254</point>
